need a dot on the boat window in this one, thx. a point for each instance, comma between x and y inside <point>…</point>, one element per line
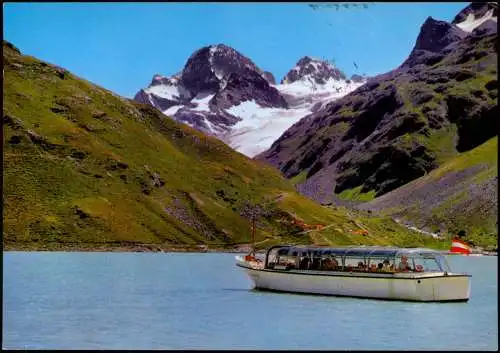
<point>354,263</point>
<point>289,261</point>
<point>444,263</point>
<point>365,258</point>
<point>328,262</point>
<point>381,264</point>
<point>430,263</point>
<point>404,263</point>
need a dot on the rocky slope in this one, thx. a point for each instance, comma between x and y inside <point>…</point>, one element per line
<point>86,169</point>
<point>462,194</point>
<point>223,93</point>
<point>440,102</point>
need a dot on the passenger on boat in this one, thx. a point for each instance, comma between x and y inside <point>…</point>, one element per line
<point>304,263</point>
<point>326,264</point>
<point>361,266</point>
<point>403,265</point>
<point>380,266</point>
<point>386,266</point>
<point>329,264</point>
<point>316,263</point>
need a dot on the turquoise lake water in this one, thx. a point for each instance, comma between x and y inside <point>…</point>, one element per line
<point>76,300</point>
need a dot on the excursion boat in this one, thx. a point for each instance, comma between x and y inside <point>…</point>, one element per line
<point>413,274</point>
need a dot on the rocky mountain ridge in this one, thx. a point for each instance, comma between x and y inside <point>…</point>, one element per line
<point>442,101</point>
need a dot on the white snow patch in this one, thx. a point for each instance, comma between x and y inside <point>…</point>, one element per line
<point>316,65</point>
<point>150,99</point>
<point>171,92</point>
<point>308,92</point>
<point>212,51</point>
<point>471,22</point>
<point>202,100</point>
<point>172,110</point>
<point>259,126</point>
<point>217,73</point>
<point>163,91</point>
<point>211,127</point>
<point>224,82</point>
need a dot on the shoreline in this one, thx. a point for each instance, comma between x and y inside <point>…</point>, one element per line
<point>138,248</point>
<point>154,248</point>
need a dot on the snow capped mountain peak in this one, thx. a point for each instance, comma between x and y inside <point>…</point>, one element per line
<point>313,70</point>
<point>312,82</point>
<point>223,93</point>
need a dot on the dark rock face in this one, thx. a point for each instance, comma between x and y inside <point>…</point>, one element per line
<point>388,168</point>
<point>208,122</point>
<point>198,75</point>
<point>317,70</point>
<point>399,125</point>
<point>422,57</point>
<point>487,27</point>
<point>269,77</point>
<point>159,102</point>
<point>477,127</point>
<point>357,78</point>
<point>206,68</point>
<point>434,36</point>
<point>382,105</point>
<point>248,85</point>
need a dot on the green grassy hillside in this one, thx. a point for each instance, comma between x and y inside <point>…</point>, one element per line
<point>85,168</point>
<point>459,195</point>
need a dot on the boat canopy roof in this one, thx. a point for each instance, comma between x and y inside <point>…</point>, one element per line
<point>360,251</point>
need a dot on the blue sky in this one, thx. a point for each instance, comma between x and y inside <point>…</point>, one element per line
<point>120,46</point>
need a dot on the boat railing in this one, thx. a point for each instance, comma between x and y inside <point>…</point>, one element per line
<point>349,268</point>
<point>350,265</point>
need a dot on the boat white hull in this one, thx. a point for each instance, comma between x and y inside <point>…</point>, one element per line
<point>403,286</point>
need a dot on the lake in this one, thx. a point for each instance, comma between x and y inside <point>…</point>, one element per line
<point>58,300</point>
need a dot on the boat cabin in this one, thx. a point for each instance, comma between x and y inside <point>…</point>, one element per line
<point>355,259</point>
